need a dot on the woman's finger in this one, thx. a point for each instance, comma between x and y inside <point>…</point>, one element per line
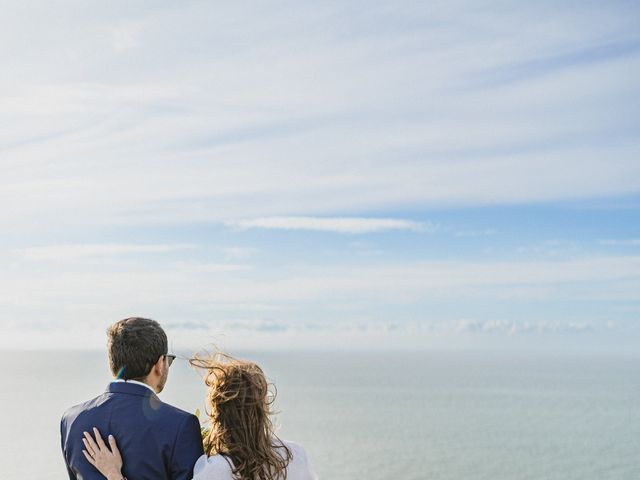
<point>99,440</point>
<point>88,447</point>
<point>114,446</point>
<point>89,458</point>
<point>92,444</point>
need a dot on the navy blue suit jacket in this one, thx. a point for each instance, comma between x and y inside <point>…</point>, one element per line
<point>157,441</point>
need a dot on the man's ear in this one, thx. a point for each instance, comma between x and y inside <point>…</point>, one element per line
<point>159,366</point>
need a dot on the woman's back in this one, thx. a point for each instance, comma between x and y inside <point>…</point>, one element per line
<point>218,467</point>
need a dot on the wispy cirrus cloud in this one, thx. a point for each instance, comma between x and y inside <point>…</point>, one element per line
<point>213,267</point>
<point>476,233</point>
<point>353,225</point>
<point>239,253</point>
<point>178,286</point>
<point>66,252</point>
<point>324,117</point>
<point>351,298</point>
<point>628,242</point>
<point>223,144</point>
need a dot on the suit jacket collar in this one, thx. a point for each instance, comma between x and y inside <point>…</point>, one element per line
<point>130,389</point>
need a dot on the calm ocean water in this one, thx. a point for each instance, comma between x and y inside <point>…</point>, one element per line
<point>431,415</point>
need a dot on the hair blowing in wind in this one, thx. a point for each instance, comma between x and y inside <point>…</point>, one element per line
<point>239,410</point>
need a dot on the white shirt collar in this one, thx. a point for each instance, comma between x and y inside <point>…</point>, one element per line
<point>121,380</point>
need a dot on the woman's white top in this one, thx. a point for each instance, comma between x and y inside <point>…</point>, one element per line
<point>218,467</point>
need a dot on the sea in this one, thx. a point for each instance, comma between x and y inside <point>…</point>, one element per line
<point>420,415</point>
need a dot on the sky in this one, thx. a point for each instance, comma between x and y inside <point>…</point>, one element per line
<point>321,175</point>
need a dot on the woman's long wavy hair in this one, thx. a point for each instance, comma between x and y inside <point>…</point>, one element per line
<point>239,404</point>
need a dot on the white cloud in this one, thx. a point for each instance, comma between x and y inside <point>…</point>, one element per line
<point>323,117</point>
<point>554,248</point>
<point>341,291</point>
<point>335,224</point>
<point>239,253</point>
<point>475,233</point>
<point>452,327</point>
<point>260,333</point>
<point>515,327</point>
<point>281,113</point>
<point>629,242</point>
<point>66,252</point>
<point>214,267</point>
<point>126,37</point>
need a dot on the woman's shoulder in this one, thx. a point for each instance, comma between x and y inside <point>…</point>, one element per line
<point>218,467</point>
<point>215,467</point>
<point>279,442</point>
<point>299,466</point>
<point>294,447</point>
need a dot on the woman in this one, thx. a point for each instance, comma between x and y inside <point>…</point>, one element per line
<point>240,443</point>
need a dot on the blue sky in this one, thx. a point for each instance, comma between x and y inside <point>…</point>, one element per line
<point>343,174</point>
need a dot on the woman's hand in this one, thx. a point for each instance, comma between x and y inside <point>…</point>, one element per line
<point>107,461</point>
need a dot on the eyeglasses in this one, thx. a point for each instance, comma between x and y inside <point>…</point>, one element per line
<point>170,358</point>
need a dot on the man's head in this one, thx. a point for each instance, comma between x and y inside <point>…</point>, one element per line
<point>137,351</point>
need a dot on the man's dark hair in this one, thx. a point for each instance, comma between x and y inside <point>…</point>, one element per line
<point>135,345</point>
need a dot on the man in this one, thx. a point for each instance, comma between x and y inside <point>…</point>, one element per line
<point>157,441</point>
